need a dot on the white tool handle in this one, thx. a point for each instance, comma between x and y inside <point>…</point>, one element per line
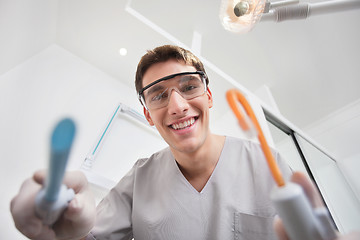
<point>300,220</point>
<point>49,212</point>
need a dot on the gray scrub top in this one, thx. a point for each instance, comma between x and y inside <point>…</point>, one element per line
<point>155,201</point>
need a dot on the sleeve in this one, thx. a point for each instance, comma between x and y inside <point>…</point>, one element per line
<point>113,220</point>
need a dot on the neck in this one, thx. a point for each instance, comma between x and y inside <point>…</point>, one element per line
<point>198,166</point>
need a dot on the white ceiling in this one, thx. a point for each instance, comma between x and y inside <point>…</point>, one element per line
<point>311,66</point>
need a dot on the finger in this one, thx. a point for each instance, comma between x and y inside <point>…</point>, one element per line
<point>30,228</point>
<point>73,179</point>
<point>81,210</point>
<point>45,233</point>
<point>22,209</point>
<point>309,188</point>
<point>76,180</point>
<point>279,229</point>
<point>39,176</point>
<point>78,218</point>
<point>82,206</point>
<point>351,236</point>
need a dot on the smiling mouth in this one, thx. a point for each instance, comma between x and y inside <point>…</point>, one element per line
<point>183,125</point>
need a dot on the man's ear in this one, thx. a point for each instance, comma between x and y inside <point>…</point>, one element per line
<point>148,117</point>
<point>210,98</point>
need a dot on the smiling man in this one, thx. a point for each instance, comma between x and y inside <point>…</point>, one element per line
<point>203,186</point>
<point>179,109</point>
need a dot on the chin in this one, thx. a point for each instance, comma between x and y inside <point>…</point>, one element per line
<point>187,146</point>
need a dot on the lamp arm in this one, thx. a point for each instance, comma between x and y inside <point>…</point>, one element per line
<point>304,10</point>
<point>333,6</point>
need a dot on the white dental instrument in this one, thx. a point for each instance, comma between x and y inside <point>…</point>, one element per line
<point>301,221</point>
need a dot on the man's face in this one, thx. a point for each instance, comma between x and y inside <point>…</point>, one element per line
<point>184,124</point>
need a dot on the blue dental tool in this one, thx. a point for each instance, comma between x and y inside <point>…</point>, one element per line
<point>54,197</point>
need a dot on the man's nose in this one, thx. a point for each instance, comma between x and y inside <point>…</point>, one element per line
<point>177,104</point>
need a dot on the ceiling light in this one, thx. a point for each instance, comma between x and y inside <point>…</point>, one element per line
<point>123,51</point>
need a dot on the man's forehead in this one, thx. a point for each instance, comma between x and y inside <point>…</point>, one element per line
<point>163,69</point>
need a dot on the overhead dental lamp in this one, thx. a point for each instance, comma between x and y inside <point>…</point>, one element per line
<point>240,16</point>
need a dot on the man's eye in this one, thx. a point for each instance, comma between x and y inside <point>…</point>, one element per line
<point>190,87</point>
<point>159,97</point>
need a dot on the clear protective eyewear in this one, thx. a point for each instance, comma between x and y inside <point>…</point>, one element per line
<point>188,84</point>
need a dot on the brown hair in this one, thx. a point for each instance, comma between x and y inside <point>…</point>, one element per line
<point>162,54</point>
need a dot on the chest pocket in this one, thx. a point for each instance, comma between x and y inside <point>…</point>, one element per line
<point>251,227</point>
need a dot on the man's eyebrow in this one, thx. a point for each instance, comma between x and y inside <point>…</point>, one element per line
<point>154,88</point>
<point>187,78</point>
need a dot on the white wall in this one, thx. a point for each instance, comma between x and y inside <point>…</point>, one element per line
<point>33,96</point>
<point>26,27</point>
<point>339,133</point>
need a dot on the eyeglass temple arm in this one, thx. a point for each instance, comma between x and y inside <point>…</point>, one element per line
<point>234,95</point>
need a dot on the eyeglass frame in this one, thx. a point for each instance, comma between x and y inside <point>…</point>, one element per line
<point>141,95</point>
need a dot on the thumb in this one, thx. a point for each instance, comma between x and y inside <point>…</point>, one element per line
<point>309,188</point>
<point>280,229</point>
<point>39,176</point>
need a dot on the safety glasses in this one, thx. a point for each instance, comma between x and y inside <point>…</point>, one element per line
<point>188,84</point>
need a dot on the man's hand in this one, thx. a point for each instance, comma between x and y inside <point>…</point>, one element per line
<point>314,196</point>
<point>76,221</point>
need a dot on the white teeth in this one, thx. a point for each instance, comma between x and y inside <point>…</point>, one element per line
<point>184,124</point>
